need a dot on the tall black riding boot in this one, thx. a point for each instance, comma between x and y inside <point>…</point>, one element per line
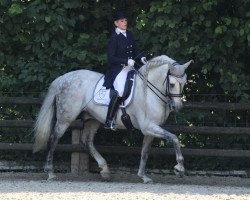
<point>112,109</point>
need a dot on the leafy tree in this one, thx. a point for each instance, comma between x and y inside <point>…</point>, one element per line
<point>213,33</point>
<point>41,40</point>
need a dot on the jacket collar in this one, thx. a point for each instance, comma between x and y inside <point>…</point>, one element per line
<point>118,31</point>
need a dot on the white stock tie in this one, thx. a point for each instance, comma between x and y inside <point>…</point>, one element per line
<point>124,33</point>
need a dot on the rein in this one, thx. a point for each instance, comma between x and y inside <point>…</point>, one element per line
<point>142,77</point>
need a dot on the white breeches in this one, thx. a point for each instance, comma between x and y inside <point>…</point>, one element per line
<point>120,80</point>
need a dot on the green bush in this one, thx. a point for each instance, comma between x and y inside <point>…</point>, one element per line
<point>41,40</point>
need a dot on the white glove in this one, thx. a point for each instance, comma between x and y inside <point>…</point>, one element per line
<point>144,60</point>
<point>131,62</point>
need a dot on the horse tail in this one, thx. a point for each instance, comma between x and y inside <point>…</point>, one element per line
<point>44,121</point>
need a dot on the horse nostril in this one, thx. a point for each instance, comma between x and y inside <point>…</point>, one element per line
<point>172,105</point>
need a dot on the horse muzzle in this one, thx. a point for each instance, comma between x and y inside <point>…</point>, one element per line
<point>175,105</point>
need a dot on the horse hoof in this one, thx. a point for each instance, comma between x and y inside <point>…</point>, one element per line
<point>178,173</point>
<point>179,170</point>
<point>51,176</point>
<point>147,180</point>
<point>105,175</point>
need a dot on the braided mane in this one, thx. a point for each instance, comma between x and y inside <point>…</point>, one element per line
<point>151,64</point>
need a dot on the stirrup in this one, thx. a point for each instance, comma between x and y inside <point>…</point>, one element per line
<point>109,124</point>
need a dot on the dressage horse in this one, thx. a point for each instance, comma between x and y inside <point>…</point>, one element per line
<point>158,89</point>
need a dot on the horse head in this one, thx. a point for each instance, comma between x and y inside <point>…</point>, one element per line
<point>176,79</point>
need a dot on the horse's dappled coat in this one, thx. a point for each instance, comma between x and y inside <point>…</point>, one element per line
<point>71,94</point>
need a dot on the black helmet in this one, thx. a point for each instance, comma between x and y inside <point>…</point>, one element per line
<point>119,15</point>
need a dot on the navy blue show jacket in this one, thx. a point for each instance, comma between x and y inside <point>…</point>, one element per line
<point>120,49</point>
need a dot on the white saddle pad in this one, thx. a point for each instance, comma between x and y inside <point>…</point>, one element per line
<point>101,94</point>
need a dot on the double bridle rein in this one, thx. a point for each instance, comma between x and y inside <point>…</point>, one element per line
<point>168,94</point>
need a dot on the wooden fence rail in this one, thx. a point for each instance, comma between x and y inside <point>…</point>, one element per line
<point>80,157</point>
<point>172,128</point>
<point>195,105</point>
<point>123,150</point>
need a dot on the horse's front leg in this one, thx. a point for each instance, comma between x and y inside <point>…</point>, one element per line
<point>156,131</point>
<point>147,141</point>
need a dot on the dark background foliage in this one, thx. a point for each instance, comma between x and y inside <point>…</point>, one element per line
<point>43,39</point>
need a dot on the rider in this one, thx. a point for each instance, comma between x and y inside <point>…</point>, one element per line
<point>122,50</point>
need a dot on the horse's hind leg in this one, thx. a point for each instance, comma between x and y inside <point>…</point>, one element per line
<point>147,141</point>
<point>90,129</point>
<point>59,130</point>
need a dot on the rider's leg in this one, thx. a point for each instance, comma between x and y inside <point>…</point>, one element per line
<point>120,80</point>
<point>119,83</point>
<point>112,109</point>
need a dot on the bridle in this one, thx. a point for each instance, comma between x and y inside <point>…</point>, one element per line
<point>167,94</point>
<point>168,85</point>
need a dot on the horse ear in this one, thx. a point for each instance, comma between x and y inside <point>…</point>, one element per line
<point>185,66</point>
<point>179,69</point>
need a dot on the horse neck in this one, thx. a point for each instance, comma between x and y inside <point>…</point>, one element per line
<point>156,76</point>
<point>151,102</point>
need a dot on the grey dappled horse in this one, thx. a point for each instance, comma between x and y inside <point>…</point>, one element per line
<point>158,90</point>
